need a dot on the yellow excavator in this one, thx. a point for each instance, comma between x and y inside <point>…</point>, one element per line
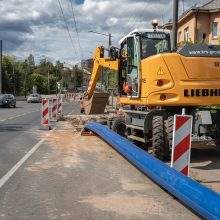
<point>155,82</point>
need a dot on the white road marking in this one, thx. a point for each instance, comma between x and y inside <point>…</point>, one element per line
<point>71,112</point>
<point>16,116</point>
<point>12,171</point>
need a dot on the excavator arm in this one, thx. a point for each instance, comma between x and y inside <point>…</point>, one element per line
<point>94,103</point>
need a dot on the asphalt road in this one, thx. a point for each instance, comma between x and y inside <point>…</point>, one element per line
<point>68,176</point>
<point>74,177</point>
<point>20,131</point>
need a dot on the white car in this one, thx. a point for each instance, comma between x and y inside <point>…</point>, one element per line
<point>34,98</point>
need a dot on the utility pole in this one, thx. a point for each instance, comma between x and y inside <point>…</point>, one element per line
<point>175,23</point>
<point>25,79</point>
<point>108,35</point>
<point>0,66</point>
<point>56,80</point>
<point>48,74</point>
<point>109,43</point>
<point>13,70</point>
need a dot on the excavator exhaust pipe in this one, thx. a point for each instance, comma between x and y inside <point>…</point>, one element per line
<point>96,104</point>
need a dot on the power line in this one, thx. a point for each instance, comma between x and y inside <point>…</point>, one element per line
<point>67,28</point>
<point>77,33</point>
<point>133,20</point>
<point>141,13</point>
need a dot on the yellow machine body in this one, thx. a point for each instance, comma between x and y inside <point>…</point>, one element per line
<point>174,80</point>
<point>155,84</point>
<point>163,78</point>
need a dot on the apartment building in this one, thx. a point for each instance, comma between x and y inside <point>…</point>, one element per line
<point>199,24</point>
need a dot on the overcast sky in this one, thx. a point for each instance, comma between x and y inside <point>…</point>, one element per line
<point>38,27</point>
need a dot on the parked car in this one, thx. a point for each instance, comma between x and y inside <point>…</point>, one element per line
<point>34,98</point>
<point>7,100</point>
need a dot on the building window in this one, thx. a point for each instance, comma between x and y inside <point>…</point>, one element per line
<point>214,29</point>
<point>179,36</point>
<point>186,34</point>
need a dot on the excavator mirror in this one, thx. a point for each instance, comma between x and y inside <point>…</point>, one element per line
<point>124,53</point>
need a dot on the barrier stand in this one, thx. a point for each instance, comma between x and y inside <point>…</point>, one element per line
<point>45,124</point>
<point>181,145</point>
<point>54,110</point>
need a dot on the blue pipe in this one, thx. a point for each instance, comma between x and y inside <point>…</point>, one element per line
<point>197,197</point>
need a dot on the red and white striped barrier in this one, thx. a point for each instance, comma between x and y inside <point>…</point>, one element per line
<point>72,96</point>
<point>60,106</point>
<point>45,112</point>
<point>54,108</point>
<point>181,145</point>
<point>77,97</point>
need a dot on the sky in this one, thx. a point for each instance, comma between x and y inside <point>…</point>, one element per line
<point>59,29</point>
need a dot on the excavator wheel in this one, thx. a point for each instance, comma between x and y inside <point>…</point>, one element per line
<point>119,126</point>
<point>169,129</point>
<point>159,138</point>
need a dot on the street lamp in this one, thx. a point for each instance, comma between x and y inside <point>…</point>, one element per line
<point>109,45</point>
<point>109,37</point>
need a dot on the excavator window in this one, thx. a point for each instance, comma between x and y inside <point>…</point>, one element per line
<point>132,65</point>
<point>154,43</point>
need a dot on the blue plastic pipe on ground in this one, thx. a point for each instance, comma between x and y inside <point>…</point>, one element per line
<point>205,202</point>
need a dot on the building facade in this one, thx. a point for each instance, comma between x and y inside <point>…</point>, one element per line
<point>87,66</point>
<point>199,24</point>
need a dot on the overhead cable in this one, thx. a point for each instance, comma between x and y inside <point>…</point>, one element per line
<point>67,28</point>
<point>77,33</point>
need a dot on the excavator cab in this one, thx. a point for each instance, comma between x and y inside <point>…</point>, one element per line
<point>136,46</point>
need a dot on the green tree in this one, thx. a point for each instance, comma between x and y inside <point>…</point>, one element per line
<point>30,62</point>
<point>79,77</point>
<point>53,85</point>
<point>12,75</point>
<point>37,80</point>
<point>19,77</point>
<point>6,74</point>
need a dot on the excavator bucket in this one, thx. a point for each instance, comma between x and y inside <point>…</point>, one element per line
<point>96,104</point>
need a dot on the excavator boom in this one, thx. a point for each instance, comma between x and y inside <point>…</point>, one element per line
<point>95,103</point>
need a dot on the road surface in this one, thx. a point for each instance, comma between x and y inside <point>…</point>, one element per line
<point>68,176</point>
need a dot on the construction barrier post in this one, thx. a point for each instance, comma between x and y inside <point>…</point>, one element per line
<point>54,110</point>
<point>45,114</point>
<point>181,145</point>
<point>60,107</point>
